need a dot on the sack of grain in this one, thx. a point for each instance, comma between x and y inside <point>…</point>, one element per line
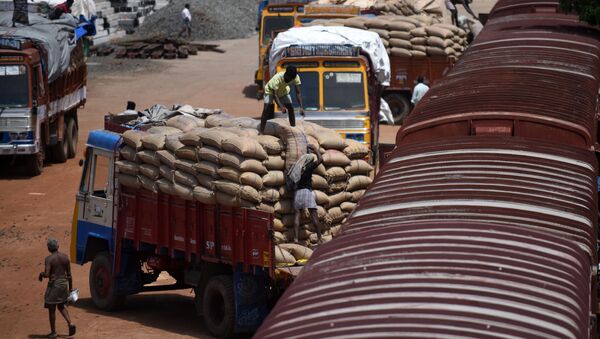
<point>401,26</point>
<point>186,166</point>
<point>148,157</point>
<point>355,23</point>
<point>242,164</point>
<point>376,23</point>
<point>418,41</point>
<point>192,138</point>
<point>336,214</point>
<point>337,186</point>
<point>283,258</point>
<point>214,137</point>
<point>244,122</point>
<point>205,181</point>
<point>319,183</point>
<point>187,152</point>
<point>439,42</point>
<point>172,142</point>
<point>228,187</point>
<point>356,195</point>
<point>266,208</point>
<point>245,147</point>
<point>284,206</point>
<point>274,179</point>
<point>347,206</point>
<point>204,195</point>
<point>359,167</point>
<point>166,158</point>
<point>226,199</point>
<point>355,149</point>
<point>419,32</point>
<point>296,145</point>
<point>167,172</point>
<point>165,186</point>
<point>333,157</point>
<point>133,139</point>
<point>154,142</point>
<point>216,120</point>
<point>148,184</point>
<point>272,145</point>
<point>337,199</point>
<point>128,180</point>
<point>320,170</point>
<point>410,20</point>
<point>270,195</point>
<point>278,226</point>
<point>439,32</point>
<point>229,173</point>
<point>185,179</point>
<point>433,51</point>
<point>420,49</point>
<point>321,198</point>
<point>383,34</point>
<point>207,168</point>
<point>184,192</point>
<point>163,130</point>
<point>290,233</point>
<point>275,162</point>
<point>358,182</point>
<point>298,251</point>
<point>250,194</point>
<point>336,173</point>
<point>400,35</point>
<point>128,167</point>
<point>185,123</point>
<point>279,237</point>
<point>208,153</point>
<point>449,51</point>
<point>149,171</point>
<point>129,153</point>
<point>251,179</point>
<point>400,52</point>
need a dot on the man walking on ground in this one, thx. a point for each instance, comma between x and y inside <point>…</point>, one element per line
<point>58,271</point>
<point>419,90</point>
<point>304,197</point>
<point>186,19</point>
<point>278,90</point>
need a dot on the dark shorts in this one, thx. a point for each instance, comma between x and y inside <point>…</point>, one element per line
<point>57,292</point>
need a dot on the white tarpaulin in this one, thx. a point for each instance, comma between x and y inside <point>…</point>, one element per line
<point>370,42</point>
<point>57,37</point>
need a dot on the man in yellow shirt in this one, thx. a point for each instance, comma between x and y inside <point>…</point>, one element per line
<point>278,90</point>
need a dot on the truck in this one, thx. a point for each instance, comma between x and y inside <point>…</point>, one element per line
<point>42,84</point>
<point>131,236</point>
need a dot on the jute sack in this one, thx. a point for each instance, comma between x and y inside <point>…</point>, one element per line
<point>355,149</point>
<point>419,48</point>
<point>229,173</point>
<point>274,179</point>
<point>357,167</point>
<point>242,164</point>
<point>319,183</point>
<point>270,195</point>
<point>250,194</point>
<point>247,204</point>
<point>401,26</point>
<point>336,173</point>
<point>439,42</point>
<point>129,180</point>
<point>185,123</point>
<point>134,139</point>
<point>128,167</point>
<point>335,230</point>
<point>251,179</point>
<point>166,158</point>
<point>439,32</point>
<point>322,198</point>
<point>298,251</point>
<point>283,258</point>
<point>452,28</point>
<point>148,157</point>
<point>192,138</point>
<point>320,170</point>
<point>214,137</point>
<point>400,52</point>
<point>165,186</point>
<point>457,39</point>
<point>227,199</point>
<point>449,51</point>
<point>435,51</point>
<point>289,234</point>
<point>296,145</point>
<point>284,206</point>
<point>129,153</point>
<point>204,195</point>
<point>167,172</point>
<point>420,41</point>
<point>401,43</point>
<point>358,182</point>
<point>266,208</point>
<point>172,142</point>
<point>355,23</point>
<point>154,142</point>
<point>384,34</point>
<point>356,195</point>
<point>187,166</point>
<point>339,198</point>
<point>227,187</point>
<point>411,20</point>
<point>185,179</point>
<point>216,120</point>
<point>377,23</point>
<point>244,122</point>
<point>275,162</point>
<point>335,158</point>
<point>336,214</point>
<point>347,206</point>
<point>150,171</point>
<point>337,186</point>
<point>278,225</point>
<point>330,139</point>
<point>208,153</point>
<point>163,130</point>
<point>208,168</point>
<point>279,237</point>
<point>400,35</point>
<point>245,147</point>
<point>187,152</point>
<point>419,32</point>
<point>272,145</point>
<point>184,192</point>
<point>148,184</point>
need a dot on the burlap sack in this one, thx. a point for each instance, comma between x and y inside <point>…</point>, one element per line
<point>250,194</point>
<point>283,258</point>
<point>400,35</point>
<point>185,179</point>
<point>330,139</point>
<point>133,139</point>
<point>206,181</point>
<point>384,34</point>
<point>270,195</point>
<point>358,182</point>
<point>148,157</point>
<point>420,41</point>
<point>167,172</point>
<point>163,130</point>
<point>184,192</point>
<point>214,137</point>
<point>154,142</point>
<point>208,153</point>
<point>359,167</point>
<point>333,157</point>
<point>245,147</point>
<point>275,162</point>
<point>289,234</point>
<point>296,145</point>
<point>439,42</point>
<point>335,230</point>
<point>207,168</point>
<point>172,142</point>
<point>251,179</point>
<point>274,179</point>
<point>401,43</point>
<point>355,149</point>
<point>187,166</point>
<point>185,123</point>
<point>355,23</point>
<point>439,32</point>
<point>298,251</point>
<point>272,145</point>
<point>128,167</point>
<point>348,206</point>
<point>419,48</point>
<point>401,26</point>
<point>449,51</point>
<point>319,183</point>
<point>410,20</point>
<point>187,152</point>
<point>321,198</point>
<point>129,153</point>
<point>216,120</point>
<point>192,138</point>
<point>284,206</point>
<point>386,43</point>
<point>278,225</point>
<point>336,214</point>
<point>148,184</point>
<point>356,195</point>
<point>320,170</point>
<point>229,173</point>
<point>435,51</point>
<point>339,198</point>
<point>165,186</point>
<point>279,237</point>
<point>228,187</point>
<point>242,164</point>
<point>419,32</point>
<point>377,23</point>
<point>166,158</point>
<point>336,173</point>
<point>244,122</point>
<point>337,186</point>
<point>400,52</point>
<point>150,171</point>
<point>266,208</point>
<point>129,180</point>
<point>204,195</point>
<point>227,199</point>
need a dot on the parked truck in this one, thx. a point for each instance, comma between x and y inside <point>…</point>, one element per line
<point>42,84</point>
<point>130,236</point>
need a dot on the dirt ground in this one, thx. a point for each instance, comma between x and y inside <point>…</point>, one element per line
<point>32,209</point>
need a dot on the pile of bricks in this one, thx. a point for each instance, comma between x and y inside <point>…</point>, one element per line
<point>155,49</point>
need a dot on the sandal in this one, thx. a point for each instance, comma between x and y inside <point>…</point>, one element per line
<point>72,330</point>
<point>52,335</point>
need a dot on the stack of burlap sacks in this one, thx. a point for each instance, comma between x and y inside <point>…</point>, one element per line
<point>222,160</point>
<point>406,36</point>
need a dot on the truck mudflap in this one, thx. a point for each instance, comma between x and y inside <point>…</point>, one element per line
<point>251,305</point>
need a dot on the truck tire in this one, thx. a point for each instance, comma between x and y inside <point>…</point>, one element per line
<point>60,151</point>
<point>102,284</point>
<point>218,306</point>
<point>72,138</point>
<point>34,164</point>
<point>399,105</point>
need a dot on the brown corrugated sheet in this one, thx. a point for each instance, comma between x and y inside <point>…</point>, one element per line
<point>490,238</point>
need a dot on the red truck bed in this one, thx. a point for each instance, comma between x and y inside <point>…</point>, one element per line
<point>211,233</point>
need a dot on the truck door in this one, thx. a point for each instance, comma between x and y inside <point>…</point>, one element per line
<point>96,191</point>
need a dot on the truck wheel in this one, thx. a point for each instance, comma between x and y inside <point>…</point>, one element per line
<point>102,284</point>
<point>399,105</point>
<point>35,163</point>
<point>61,149</point>
<point>72,138</point>
<point>218,306</point>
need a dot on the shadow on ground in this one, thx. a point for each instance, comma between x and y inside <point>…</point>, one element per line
<point>251,91</point>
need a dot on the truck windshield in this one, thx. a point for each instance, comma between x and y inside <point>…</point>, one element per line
<point>343,91</point>
<point>309,89</point>
<point>14,86</point>
<point>276,23</point>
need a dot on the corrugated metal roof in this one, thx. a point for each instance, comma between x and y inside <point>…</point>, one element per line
<point>494,238</point>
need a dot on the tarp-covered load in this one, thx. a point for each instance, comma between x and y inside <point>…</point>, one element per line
<point>57,37</point>
<point>370,42</point>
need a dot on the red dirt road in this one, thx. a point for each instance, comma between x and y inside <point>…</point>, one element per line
<point>32,209</point>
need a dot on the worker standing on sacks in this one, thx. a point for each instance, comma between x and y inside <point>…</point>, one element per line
<point>277,91</point>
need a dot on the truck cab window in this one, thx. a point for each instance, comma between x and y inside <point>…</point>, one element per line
<point>309,89</point>
<point>14,86</point>
<point>100,184</point>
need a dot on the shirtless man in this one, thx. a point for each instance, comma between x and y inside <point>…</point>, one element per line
<point>58,272</point>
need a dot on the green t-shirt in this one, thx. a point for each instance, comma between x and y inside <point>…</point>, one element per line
<point>278,86</point>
